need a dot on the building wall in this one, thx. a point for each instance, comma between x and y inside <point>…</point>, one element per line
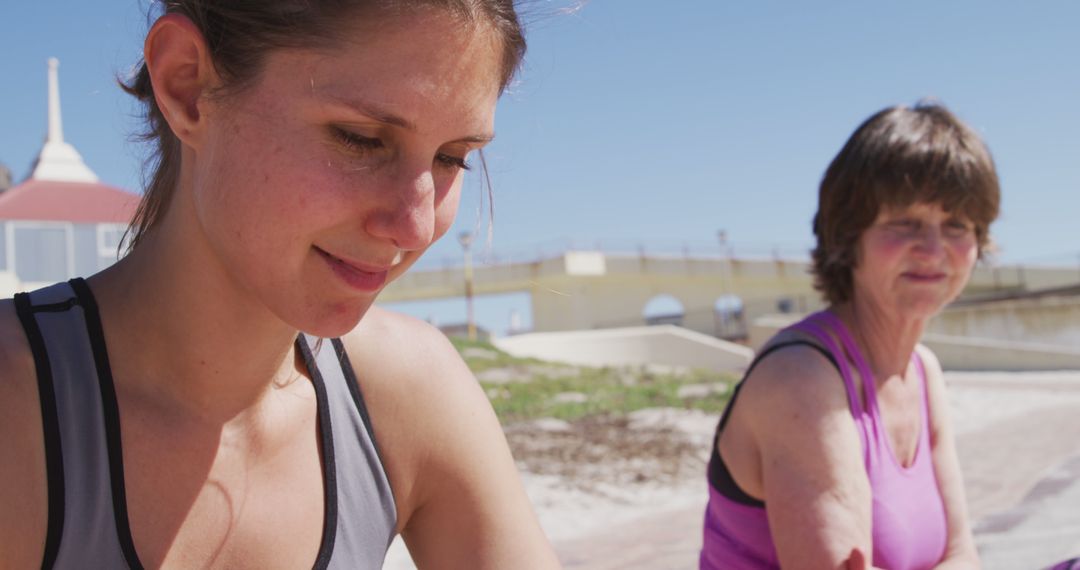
<point>37,253</point>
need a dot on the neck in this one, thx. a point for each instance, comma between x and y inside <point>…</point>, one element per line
<point>887,338</point>
<point>184,336</point>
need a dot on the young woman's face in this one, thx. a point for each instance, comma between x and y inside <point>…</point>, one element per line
<point>337,168</point>
<point>915,259</point>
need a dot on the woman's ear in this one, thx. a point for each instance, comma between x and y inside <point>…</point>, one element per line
<point>181,72</point>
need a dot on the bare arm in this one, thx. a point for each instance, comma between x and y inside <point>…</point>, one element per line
<point>814,482</point>
<point>960,549</point>
<point>461,503</point>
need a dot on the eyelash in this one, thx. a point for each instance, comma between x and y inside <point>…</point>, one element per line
<point>361,144</point>
<point>355,142</point>
<point>454,162</point>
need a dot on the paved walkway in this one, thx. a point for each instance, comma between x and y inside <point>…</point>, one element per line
<point>1022,475</point>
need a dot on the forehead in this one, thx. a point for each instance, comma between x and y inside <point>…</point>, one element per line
<point>919,208</point>
<point>428,66</point>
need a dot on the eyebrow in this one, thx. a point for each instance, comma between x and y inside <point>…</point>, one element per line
<point>389,118</point>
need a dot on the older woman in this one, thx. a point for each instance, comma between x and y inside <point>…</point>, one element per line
<point>836,449</point>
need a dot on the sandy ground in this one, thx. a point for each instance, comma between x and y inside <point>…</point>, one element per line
<point>630,493</point>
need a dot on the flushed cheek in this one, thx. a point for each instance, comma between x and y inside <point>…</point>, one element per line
<point>882,254</point>
<point>967,251</point>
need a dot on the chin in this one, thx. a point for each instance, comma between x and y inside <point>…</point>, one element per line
<point>923,307</point>
<point>336,320</point>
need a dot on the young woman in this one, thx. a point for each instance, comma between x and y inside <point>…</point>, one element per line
<point>836,449</point>
<point>226,395</point>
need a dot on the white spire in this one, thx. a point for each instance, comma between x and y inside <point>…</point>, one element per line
<point>56,131</point>
<point>59,160</point>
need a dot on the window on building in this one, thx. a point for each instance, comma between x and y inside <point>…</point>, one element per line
<point>42,253</point>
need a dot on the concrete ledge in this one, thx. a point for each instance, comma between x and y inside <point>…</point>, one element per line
<point>967,353</point>
<point>665,345</point>
<point>960,352</point>
<point>765,327</point>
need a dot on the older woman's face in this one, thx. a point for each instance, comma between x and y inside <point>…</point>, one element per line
<point>915,259</point>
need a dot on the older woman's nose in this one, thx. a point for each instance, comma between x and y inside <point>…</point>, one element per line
<point>929,240</point>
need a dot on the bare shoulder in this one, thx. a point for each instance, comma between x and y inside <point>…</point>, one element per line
<point>402,353</point>
<point>18,380</point>
<point>460,500</point>
<point>809,456</point>
<point>22,457</point>
<point>793,406</point>
<point>419,393</point>
<point>15,356</point>
<point>794,378</point>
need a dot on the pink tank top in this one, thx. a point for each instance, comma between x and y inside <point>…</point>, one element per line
<point>908,529</point>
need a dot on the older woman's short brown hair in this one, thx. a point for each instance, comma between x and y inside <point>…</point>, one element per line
<point>898,157</point>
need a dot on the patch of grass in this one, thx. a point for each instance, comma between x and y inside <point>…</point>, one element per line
<point>471,351</point>
<point>578,392</point>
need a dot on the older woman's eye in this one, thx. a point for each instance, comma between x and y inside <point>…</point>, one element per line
<point>957,228</point>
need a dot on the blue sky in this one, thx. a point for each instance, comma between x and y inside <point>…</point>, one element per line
<point>663,123</point>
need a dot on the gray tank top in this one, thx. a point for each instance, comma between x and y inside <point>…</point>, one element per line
<point>88,521</point>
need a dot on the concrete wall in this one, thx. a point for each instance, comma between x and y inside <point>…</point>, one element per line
<point>1045,320</point>
<point>618,297</point>
<point>664,345</point>
<point>961,352</point>
<point>588,290</point>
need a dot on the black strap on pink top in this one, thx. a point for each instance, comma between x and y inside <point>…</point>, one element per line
<point>822,333</point>
<point>719,475</point>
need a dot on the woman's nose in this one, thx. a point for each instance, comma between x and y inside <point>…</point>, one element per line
<point>407,214</point>
<point>929,240</point>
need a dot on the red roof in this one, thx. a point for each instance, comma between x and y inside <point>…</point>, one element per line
<point>80,202</point>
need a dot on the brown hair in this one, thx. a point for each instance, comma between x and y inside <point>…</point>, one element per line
<point>899,156</point>
<point>240,33</point>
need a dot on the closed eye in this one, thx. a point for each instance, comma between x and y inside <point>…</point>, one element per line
<point>957,227</point>
<point>455,162</point>
<point>353,142</point>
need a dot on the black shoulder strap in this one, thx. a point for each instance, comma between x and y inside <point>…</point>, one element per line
<point>757,360</point>
<point>719,475</point>
<point>54,460</point>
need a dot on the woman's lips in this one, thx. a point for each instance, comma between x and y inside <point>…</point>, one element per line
<point>919,277</point>
<point>362,278</point>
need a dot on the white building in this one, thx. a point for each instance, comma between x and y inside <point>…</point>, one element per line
<point>60,222</point>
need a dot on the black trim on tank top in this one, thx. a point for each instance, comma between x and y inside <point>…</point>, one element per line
<point>326,434</point>
<point>57,307</point>
<point>50,424</point>
<point>114,443</point>
<point>719,476</point>
<point>354,391</point>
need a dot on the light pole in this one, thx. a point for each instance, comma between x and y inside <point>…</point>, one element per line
<point>466,239</point>
<point>719,317</point>
<point>725,260</point>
